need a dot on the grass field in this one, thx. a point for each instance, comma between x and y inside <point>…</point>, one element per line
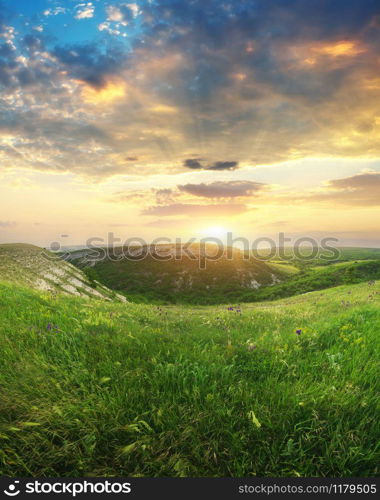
<point>90,387</point>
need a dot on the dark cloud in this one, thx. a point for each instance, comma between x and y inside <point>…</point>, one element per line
<point>226,209</point>
<point>33,42</point>
<point>193,163</point>
<point>219,189</point>
<point>196,164</point>
<point>90,63</point>
<point>223,165</point>
<point>16,71</point>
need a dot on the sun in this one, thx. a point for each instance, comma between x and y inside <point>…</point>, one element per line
<point>215,231</point>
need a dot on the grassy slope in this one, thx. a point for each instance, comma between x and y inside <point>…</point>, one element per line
<point>318,278</point>
<point>34,267</point>
<point>138,390</point>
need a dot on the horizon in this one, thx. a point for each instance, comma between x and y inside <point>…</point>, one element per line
<point>174,243</point>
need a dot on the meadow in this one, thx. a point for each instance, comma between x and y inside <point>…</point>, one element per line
<point>95,388</point>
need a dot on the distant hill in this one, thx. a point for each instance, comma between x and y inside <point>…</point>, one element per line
<point>233,277</point>
<point>37,268</point>
<point>301,258</point>
<point>180,278</point>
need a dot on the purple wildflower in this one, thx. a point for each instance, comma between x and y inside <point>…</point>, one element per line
<point>49,326</point>
<point>298,331</point>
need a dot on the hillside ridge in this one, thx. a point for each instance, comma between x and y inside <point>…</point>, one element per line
<point>40,269</point>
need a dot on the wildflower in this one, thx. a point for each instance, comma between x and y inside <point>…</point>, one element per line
<point>52,327</point>
<point>298,331</point>
<point>251,347</point>
<point>230,308</point>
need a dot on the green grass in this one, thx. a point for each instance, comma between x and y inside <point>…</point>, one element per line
<point>131,389</point>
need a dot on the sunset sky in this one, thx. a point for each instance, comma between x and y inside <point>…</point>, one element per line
<point>189,118</point>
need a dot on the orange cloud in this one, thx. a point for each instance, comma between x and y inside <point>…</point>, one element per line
<point>338,49</point>
<point>164,109</point>
<point>112,91</point>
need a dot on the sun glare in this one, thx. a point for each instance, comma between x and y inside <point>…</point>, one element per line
<point>215,232</point>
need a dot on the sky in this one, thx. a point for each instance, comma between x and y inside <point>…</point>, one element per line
<point>173,118</point>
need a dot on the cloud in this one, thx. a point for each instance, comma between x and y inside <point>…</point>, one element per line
<point>245,83</point>
<point>84,10</point>
<point>89,63</point>
<point>54,12</point>
<point>223,165</point>
<point>227,209</point>
<point>33,42</point>
<point>196,163</point>
<point>164,196</point>
<point>122,13</point>
<point>106,26</point>
<point>358,190</point>
<point>164,223</point>
<point>220,189</point>
<point>114,13</point>
<point>193,163</point>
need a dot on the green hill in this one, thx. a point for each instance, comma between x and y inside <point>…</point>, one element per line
<point>238,278</point>
<point>288,388</point>
<point>181,279</point>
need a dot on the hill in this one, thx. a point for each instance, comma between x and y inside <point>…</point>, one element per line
<point>234,276</point>
<point>35,267</point>
<point>288,388</point>
<point>180,278</point>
